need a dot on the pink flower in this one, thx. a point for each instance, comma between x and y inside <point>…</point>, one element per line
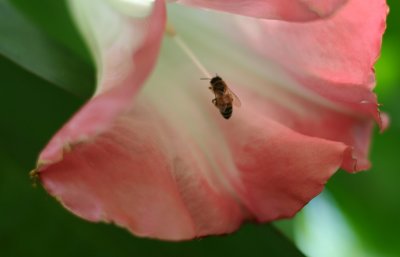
<point>151,153</point>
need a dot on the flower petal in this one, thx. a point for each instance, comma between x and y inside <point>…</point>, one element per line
<point>125,50</point>
<point>160,183</point>
<point>332,57</point>
<point>129,176</point>
<point>133,8</point>
<point>281,94</point>
<point>172,168</point>
<point>169,166</point>
<point>280,170</point>
<point>289,10</point>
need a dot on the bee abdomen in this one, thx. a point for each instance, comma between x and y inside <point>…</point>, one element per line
<point>228,112</point>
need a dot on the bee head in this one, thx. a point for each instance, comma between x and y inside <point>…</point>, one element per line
<point>215,79</point>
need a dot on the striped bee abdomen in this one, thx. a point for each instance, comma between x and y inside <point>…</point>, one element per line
<point>227,113</point>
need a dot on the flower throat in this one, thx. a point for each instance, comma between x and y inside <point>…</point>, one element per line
<point>171,32</point>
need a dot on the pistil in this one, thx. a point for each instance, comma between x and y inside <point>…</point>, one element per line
<point>171,32</point>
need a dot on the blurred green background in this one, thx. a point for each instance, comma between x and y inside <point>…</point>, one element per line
<point>358,215</point>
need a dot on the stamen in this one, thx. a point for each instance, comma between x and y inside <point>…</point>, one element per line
<point>170,31</point>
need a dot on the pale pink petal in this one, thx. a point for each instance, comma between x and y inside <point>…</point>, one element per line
<point>299,106</point>
<point>332,57</point>
<point>167,165</point>
<point>147,179</point>
<point>319,120</point>
<point>148,173</point>
<point>125,59</point>
<point>178,171</point>
<point>280,170</point>
<point>290,10</point>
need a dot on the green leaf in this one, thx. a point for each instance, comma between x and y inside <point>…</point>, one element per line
<point>370,200</point>
<point>31,110</point>
<point>25,45</point>
<point>42,84</point>
<point>53,18</point>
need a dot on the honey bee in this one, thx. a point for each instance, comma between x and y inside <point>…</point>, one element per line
<point>224,97</point>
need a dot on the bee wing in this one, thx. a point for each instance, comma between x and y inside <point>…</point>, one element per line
<point>236,101</point>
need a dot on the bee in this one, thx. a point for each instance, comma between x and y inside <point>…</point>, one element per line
<point>224,97</point>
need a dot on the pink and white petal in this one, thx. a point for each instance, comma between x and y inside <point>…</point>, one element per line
<point>301,108</point>
<point>276,169</point>
<point>333,57</point>
<point>289,10</point>
<point>125,49</point>
<point>316,119</point>
<point>280,170</point>
<point>171,167</point>
<point>144,175</point>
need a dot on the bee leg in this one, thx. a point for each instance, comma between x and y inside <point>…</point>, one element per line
<point>214,101</point>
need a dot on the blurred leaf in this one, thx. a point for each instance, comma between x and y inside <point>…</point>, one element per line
<point>25,45</point>
<point>31,110</point>
<point>43,84</point>
<point>387,69</point>
<point>370,200</point>
<point>321,221</point>
<point>57,23</point>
